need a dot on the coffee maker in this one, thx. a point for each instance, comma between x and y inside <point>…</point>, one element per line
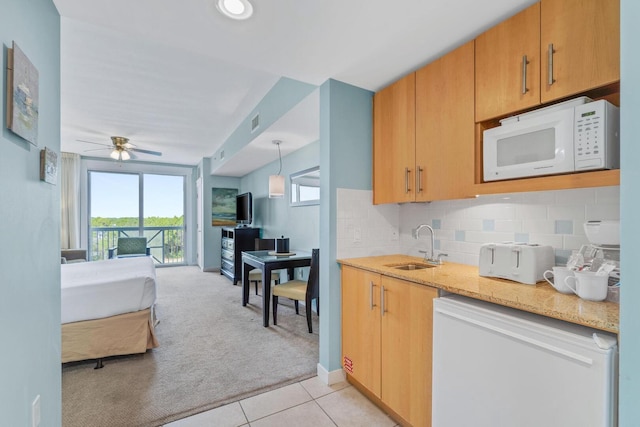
<point>603,247</point>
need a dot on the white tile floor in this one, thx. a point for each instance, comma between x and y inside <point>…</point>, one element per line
<point>307,403</point>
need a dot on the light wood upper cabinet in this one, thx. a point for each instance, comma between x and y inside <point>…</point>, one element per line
<point>508,65</point>
<point>407,346</point>
<point>445,128</point>
<point>585,38</point>
<point>394,138</point>
<point>571,46</point>
<point>361,327</point>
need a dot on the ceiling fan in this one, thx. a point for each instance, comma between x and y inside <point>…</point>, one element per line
<point>121,148</point>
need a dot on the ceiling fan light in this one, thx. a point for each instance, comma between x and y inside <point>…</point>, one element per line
<point>276,186</point>
<point>124,155</point>
<point>115,155</point>
<point>235,9</point>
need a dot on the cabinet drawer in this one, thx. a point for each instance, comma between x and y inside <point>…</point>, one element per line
<point>227,244</point>
<point>228,255</point>
<point>228,266</point>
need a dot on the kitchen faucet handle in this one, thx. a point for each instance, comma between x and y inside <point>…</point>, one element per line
<point>439,257</point>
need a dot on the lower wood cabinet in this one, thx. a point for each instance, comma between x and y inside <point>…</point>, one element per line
<point>387,336</point>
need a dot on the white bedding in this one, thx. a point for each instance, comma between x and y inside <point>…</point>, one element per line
<point>93,290</point>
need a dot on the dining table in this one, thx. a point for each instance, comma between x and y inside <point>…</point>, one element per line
<point>269,261</point>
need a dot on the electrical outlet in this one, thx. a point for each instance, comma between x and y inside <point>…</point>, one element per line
<point>35,412</point>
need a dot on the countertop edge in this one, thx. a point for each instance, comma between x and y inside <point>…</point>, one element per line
<point>539,299</point>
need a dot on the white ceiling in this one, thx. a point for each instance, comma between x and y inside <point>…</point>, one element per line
<point>178,77</point>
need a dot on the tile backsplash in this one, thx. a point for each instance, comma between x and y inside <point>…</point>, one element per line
<point>553,218</point>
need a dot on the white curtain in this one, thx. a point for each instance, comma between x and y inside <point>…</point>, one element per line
<point>70,201</point>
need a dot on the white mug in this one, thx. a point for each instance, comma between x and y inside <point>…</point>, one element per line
<point>588,285</point>
<point>559,274</point>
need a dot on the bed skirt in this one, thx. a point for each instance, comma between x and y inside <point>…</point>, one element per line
<point>128,333</point>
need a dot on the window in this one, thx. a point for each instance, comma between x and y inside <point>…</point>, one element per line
<point>137,204</point>
<point>305,187</point>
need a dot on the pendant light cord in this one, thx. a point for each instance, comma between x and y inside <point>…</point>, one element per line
<point>279,157</point>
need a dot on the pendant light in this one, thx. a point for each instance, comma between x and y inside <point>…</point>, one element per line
<point>276,182</point>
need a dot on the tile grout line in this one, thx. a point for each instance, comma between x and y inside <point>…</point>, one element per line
<point>294,406</point>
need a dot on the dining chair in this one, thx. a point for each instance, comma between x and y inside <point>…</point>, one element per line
<point>299,290</point>
<point>255,275</point>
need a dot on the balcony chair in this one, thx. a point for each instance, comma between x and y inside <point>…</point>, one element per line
<point>299,290</point>
<point>255,275</point>
<point>130,247</point>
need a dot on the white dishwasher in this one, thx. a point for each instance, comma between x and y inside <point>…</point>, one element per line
<point>495,366</point>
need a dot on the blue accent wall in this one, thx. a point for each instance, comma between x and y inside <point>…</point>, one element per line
<point>346,141</point>
<point>629,410</point>
<point>212,236</point>
<point>30,228</point>
<point>277,217</point>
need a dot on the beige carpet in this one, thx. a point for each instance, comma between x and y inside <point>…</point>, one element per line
<point>212,351</point>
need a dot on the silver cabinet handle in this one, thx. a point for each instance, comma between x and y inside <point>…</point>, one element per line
<point>524,74</point>
<point>407,171</point>
<point>382,310</point>
<point>371,286</point>
<point>550,68</point>
<point>419,179</point>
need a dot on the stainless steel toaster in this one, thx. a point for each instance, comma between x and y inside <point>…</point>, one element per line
<point>521,262</point>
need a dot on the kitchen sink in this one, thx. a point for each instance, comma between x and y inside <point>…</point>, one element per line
<point>410,266</point>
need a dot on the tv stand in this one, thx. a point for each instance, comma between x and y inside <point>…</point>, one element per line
<point>234,241</point>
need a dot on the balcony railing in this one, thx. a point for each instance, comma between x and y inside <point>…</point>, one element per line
<point>166,243</point>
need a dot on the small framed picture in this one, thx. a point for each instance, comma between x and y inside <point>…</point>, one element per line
<point>22,95</point>
<point>48,166</point>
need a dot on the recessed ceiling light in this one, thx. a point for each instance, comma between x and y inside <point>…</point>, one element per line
<point>235,9</point>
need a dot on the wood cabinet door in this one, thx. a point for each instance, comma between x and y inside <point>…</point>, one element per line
<point>445,128</point>
<point>361,326</point>
<point>407,343</point>
<point>585,35</point>
<point>501,84</point>
<point>394,138</point>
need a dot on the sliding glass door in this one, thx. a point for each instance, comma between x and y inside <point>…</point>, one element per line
<point>137,204</point>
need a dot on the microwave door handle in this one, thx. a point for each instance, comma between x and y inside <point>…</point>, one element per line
<point>524,74</point>
<point>550,66</point>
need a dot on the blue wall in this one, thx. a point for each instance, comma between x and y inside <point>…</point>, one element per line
<point>275,216</point>
<point>629,409</point>
<point>30,229</point>
<point>211,235</point>
<point>346,141</point>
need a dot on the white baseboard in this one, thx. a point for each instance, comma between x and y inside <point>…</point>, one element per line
<point>211,269</point>
<point>332,377</point>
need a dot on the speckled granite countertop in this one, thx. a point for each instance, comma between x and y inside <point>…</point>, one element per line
<point>462,279</point>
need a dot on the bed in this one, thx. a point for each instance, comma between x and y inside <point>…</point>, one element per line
<point>107,308</point>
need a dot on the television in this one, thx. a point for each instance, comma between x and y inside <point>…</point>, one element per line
<point>244,209</point>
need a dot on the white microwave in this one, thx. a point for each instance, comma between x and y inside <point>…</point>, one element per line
<point>573,136</point>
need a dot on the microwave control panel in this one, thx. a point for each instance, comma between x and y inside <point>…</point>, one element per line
<point>596,136</point>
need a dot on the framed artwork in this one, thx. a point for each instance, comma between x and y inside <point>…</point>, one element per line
<point>48,166</point>
<point>22,95</point>
<point>223,206</point>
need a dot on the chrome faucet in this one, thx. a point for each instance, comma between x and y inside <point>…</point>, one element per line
<point>430,259</point>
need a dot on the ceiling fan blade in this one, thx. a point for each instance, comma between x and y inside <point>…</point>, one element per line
<point>97,149</point>
<point>131,155</point>
<point>96,143</point>
<point>140,150</point>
